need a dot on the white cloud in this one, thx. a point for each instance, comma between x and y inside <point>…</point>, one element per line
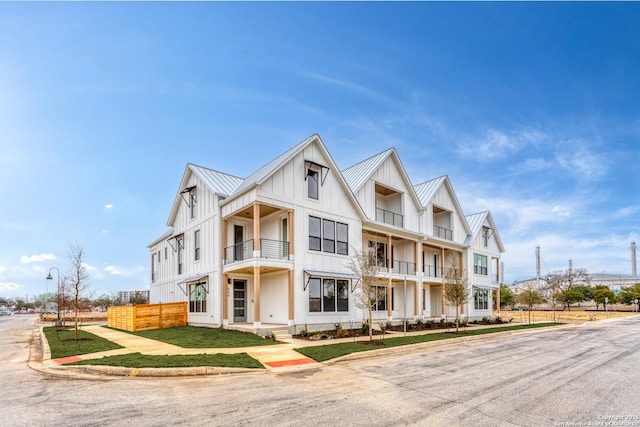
<point>561,211</point>
<point>575,157</point>
<point>2,269</point>
<point>124,272</point>
<point>88,267</point>
<point>108,206</point>
<point>36,258</point>
<point>498,144</point>
<point>8,286</point>
<point>104,231</point>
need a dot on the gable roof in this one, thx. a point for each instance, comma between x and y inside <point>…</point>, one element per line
<point>476,222</point>
<point>356,175</point>
<point>267,170</point>
<point>217,182</point>
<point>428,189</point>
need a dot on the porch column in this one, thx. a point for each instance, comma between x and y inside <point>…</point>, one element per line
<point>256,297</point>
<point>290,233</point>
<point>223,242</point>
<point>416,304</point>
<point>291,313</point>
<point>389,300</point>
<point>224,299</point>
<point>442,262</point>
<point>443,299</point>
<point>498,299</point>
<point>256,229</point>
<point>389,259</point>
<point>418,257</point>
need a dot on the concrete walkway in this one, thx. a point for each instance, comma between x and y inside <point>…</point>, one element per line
<point>275,357</point>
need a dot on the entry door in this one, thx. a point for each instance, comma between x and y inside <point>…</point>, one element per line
<point>239,300</point>
<point>238,239</point>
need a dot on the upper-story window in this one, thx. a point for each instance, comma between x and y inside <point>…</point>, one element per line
<point>313,184</point>
<point>192,203</point>
<point>485,236</point>
<point>180,249</point>
<point>328,236</point>
<point>196,244</point>
<point>480,264</point>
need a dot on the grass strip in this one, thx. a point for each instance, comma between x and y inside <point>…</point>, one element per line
<point>62,342</point>
<point>137,360</point>
<point>331,351</point>
<point>200,337</point>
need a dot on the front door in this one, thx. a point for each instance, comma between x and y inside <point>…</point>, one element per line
<point>239,300</point>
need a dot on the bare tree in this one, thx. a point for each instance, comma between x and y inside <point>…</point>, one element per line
<point>456,286</point>
<point>368,290</point>
<point>76,281</point>
<point>530,297</point>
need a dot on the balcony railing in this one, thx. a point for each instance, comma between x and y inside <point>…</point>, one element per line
<point>404,267</point>
<point>432,271</point>
<point>443,233</point>
<point>275,249</point>
<point>389,217</point>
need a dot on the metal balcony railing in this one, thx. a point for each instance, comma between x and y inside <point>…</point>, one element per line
<point>404,267</point>
<point>275,249</point>
<point>443,233</point>
<point>389,217</point>
<point>432,271</point>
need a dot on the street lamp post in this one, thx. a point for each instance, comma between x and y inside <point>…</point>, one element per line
<point>50,277</point>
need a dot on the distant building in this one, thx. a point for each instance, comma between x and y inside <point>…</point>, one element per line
<point>615,282</point>
<point>127,296</point>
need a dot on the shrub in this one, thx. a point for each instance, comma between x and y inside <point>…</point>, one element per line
<point>364,329</point>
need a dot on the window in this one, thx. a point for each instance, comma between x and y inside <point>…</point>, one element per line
<point>180,244</point>
<point>480,264</point>
<point>196,239</point>
<point>381,252</point>
<point>342,237</point>
<point>481,299</point>
<point>313,188</point>
<point>197,298</point>
<point>485,236</point>
<point>378,297</point>
<point>314,234</point>
<point>328,295</point>
<point>154,267</point>
<point>328,236</point>
<point>192,203</point>
<point>165,253</point>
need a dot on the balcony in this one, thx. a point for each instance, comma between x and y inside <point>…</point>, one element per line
<point>432,271</point>
<point>399,267</point>
<point>442,233</point>
<point>273,249</point>
<point>389,217</point>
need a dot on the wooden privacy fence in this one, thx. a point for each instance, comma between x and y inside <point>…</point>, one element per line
<point>144,317</point>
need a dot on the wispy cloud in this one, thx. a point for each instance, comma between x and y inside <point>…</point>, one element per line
<point>124,272</point>
<point>497,144</point>
<point>577,157</point>
<point>36,258</point>
<point>2,269</point>
<point>108,206</point>
<point>8,286</point>
<point>88,267</point>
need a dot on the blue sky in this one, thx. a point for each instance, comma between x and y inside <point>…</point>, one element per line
<point>531,109</point>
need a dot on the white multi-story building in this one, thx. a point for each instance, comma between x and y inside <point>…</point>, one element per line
<point>275,247</point>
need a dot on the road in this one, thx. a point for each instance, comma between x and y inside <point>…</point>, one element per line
<point>572,375</point>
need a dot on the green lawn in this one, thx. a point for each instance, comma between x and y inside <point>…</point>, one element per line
<point>196,337</point>
<point>62,342</point>
<point>137,360</point>
<point>331,351</point>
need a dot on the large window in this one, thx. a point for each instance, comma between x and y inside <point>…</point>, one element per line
<point>378,297</point>
<point>481,299</point>
<point>381,253</point>
<point>480,264</point>
<point>328,295</point>
<point>313,185</point>
<point>328,236</point>
<point>197,298</point>
<point>196,240</point>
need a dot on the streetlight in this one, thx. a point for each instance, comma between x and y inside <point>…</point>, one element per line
<point>50,277</point>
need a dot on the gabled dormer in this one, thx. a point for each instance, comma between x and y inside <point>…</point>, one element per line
<point>444,218</point>
<point>383,189</point>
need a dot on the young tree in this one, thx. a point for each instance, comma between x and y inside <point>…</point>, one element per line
<point>530,297</point>
<point>76,281</point>
<point>630,295</point>
<point>368,290</point>
<point>456,291</point>
<point>602,294</point>
<point>507,298</point>
<point>570,296</point>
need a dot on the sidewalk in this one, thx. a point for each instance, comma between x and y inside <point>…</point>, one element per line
<point>275,357</point>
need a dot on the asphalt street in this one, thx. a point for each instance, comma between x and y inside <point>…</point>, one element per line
<point>579,375</point>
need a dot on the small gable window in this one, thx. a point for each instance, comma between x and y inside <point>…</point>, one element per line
<point>313,184</point>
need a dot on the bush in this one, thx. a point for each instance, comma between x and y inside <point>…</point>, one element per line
<point>364,329</point>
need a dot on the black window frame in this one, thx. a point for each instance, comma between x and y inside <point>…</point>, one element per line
<point>327,240</point>
<point>313,184</point>
<point>328,295</point>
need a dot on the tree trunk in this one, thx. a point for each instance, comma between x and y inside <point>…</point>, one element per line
<point>370,325</point>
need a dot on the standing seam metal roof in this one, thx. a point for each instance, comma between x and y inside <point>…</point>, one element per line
<point>218,182</point>
<point>426,190</point>
<point>357,175</point>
